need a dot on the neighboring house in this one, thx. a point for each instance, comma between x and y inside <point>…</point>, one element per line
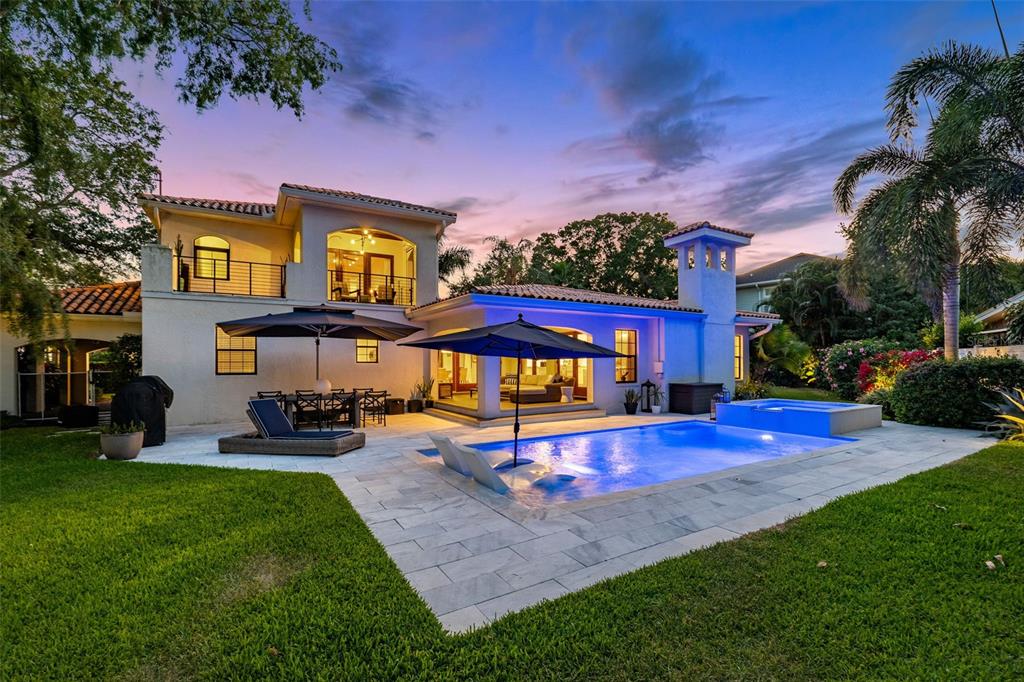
<point>754,288</point>
<point>995,322</point>
<point>222,260</point>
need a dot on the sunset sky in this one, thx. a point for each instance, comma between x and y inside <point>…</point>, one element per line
<point>522,117</point>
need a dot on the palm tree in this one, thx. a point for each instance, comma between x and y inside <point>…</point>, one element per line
<point>959,198</point>
<point>452,259</point>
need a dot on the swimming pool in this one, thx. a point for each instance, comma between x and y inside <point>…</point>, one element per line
<point>620,459</point>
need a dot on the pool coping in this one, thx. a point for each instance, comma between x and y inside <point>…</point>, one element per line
<point>561,520</point>
<point>473,555</point>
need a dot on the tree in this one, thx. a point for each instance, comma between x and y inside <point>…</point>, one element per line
<point>812,305</point>
<point>983,287</point>
<point>617,253</point>
<point>1015,324</point>
<point>959,198</point>
<point>452,259</point>
<point>507,263</point>
<point>76,147</point>
<point>122,360</point>
<point>780,349</point>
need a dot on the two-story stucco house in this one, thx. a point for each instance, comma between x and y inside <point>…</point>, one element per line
<point>222,260</point>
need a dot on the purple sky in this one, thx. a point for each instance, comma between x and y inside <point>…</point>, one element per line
<point>522,117</point>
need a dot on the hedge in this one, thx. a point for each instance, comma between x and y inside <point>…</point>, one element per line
<point>943,393</point>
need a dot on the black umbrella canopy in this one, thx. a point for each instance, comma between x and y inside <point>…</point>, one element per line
<point>320,322</point>
<point>518,339</point>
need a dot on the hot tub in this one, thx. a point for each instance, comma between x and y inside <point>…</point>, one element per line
<point>807,417</point>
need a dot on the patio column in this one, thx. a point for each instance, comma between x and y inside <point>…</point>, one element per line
<point>488,378</point>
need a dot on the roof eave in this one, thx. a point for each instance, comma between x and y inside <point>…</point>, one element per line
<point>365,206</point>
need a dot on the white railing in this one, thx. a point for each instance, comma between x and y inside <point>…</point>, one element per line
<point>993,351</point>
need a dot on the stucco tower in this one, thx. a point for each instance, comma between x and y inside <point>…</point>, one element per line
<point>707,280</point>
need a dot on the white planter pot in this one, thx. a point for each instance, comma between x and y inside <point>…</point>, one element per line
<point>121,446</point>
<point>655,409</point>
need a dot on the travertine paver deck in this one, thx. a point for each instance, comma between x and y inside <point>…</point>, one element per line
<point>474,555</point>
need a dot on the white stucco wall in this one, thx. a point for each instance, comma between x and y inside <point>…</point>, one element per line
<point>679,362</point>
<point>179,345</point>
<point>308,279</point>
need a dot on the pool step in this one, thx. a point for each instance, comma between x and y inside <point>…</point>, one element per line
<point>538,418</point>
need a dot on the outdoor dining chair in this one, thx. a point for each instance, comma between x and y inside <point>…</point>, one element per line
<point>307,409</point>
<point>273,395</point>
<point>374,406</point>
<point>338,407</point>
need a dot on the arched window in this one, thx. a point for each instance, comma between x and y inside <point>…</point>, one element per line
<point>691,258</point>
<point>213,257</point>
<point>723,257</point>
<point>709,259</point>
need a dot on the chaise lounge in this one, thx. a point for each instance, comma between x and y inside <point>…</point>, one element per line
<point>482,466</point>
<point>275,435</point>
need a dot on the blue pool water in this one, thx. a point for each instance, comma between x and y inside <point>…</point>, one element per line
<point>619,459</point>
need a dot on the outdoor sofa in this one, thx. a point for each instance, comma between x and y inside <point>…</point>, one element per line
<point>275,435</point>
<point>533,388</point>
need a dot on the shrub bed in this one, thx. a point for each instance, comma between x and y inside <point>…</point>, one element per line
<point>881,370</point>
<point>943,393</point>
<point>841,363</point>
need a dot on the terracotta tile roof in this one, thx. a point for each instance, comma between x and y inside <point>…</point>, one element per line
<point>365,198</point>
<point>553,293</point>
<point>692,227</point>
<point>244,207</point>
<point>761,315</point>
<point>103,299</point>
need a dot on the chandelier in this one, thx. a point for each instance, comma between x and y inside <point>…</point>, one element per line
<point>363,238</point>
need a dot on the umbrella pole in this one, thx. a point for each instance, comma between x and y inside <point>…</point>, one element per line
<point>515,426</point>
<point>318,357</point>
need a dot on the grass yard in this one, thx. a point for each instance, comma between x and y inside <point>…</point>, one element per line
<point>802,393</point>
<point>137,571</point>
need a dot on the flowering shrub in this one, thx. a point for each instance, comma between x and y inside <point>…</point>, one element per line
<point>841,363</point>
<point>880,370</point>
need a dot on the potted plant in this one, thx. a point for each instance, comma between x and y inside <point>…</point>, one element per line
<point>657,397</point>
<point>122,441</point>
<point>415,403</point>
<point>632,397</point>
<point>427,391</point>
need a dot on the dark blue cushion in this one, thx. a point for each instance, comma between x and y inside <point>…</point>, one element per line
<point>312,435</point>
<point>271,421</point>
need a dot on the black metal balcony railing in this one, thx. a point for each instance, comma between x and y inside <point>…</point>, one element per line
<point>229,277</point>
<point>358,287</point>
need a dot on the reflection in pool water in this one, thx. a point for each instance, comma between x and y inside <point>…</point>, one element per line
<point>620,459</point>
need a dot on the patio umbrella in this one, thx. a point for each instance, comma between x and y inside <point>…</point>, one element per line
<point>517,339</point>
<point>318,322</point>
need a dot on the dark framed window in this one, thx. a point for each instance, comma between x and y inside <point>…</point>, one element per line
<point>625,367</point>
<point>235,354</point>
<point>367,350</point>
<point>213,258</point>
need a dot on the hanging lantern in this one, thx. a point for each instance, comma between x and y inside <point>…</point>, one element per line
<point>646,395</point>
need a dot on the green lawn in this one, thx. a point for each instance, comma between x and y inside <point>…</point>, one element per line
<point>801,393</point>
<point>140,571</point>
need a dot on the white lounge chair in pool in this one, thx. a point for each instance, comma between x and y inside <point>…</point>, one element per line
<point>451,457</point>
<point>484,474</point>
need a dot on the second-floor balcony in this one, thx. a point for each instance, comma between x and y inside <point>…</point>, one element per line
<point>214,275</point>
<point>361,287</point>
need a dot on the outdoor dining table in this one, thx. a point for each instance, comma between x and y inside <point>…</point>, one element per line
<point>290,399</point>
